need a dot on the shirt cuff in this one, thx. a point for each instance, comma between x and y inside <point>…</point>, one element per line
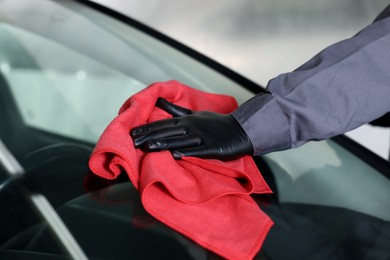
<point>264,122</point>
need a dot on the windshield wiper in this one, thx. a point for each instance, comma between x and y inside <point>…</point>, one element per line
<point>15,171</point>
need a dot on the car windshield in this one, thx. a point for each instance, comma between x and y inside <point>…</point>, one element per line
<point>65,70</point>
<point>77,60</point>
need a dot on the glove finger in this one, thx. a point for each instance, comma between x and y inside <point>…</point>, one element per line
<point>170,143</point>
<point>171,108</point>
<point>160,133</point>
<point>197,151</point>
<point>148,128</point>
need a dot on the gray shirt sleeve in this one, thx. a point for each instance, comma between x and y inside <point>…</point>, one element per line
<point>343,87</point>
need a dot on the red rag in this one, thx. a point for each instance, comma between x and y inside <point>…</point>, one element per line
<point>206,200</point>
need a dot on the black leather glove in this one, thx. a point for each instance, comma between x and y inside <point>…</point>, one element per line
<point>383,121</point>
<point>201,134</point>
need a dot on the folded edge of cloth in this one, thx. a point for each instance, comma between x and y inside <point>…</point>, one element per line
<point>206,200</point>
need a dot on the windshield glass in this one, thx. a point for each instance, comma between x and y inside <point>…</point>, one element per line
<point>79,59</point>
<point>66,69</point>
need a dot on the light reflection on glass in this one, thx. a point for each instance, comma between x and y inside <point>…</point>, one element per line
<point>5,68</point>
<point>81,75</point>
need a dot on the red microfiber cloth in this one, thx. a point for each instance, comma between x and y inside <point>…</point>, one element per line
<point>206,200</point>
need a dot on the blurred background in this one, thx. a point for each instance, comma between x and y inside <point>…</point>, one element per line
<point>261,39</point>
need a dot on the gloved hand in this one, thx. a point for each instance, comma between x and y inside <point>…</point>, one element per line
<point>200,134</point>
